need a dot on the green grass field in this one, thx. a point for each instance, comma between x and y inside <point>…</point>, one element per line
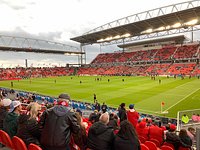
<point>145,93</point>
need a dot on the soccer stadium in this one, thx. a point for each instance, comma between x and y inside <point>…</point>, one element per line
<point>156,74</point>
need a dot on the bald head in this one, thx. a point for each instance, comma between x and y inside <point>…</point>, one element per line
<point>104,118</point>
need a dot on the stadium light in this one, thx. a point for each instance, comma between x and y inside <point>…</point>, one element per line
<point>176,25</point>
<point>108,38</point>
<point>126,35</point>
<point>149,30</point>
<point>160,29</point>
<point>167,27</point>
<point>116,37</point>
<point>101,40</point>
<point>191,22</point>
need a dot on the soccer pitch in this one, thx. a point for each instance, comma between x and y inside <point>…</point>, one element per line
<point>145,93</point>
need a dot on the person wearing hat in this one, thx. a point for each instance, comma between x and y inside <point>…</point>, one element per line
<point>132,115</point>
<point>56,125</point>
<point>4,108</point>
<point>10,122</point>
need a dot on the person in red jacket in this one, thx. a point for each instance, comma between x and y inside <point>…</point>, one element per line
<point>156,132</point>
<point>142,130</point>
<point>132,115</point>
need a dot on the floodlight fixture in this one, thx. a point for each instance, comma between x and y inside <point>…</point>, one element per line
<point>126,35</point>
<point>191,22</point>
<point>108,38</point>
<point>176,25</point>
<point>117,37</point>
<point>149,30</point>
<point>168,27</point>
<point>160,28</point>
<point>101,40</point>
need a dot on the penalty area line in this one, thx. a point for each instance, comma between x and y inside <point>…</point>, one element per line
<point>181,99</point>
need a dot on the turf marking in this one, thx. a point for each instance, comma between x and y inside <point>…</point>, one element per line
<point>181,100</point>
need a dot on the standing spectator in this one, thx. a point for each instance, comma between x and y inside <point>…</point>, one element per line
<point>100,136</point>
<point>104,107</point>
<point>155,132</point>
<point>132,115</point>
<point>4,108</point>
<point>10,122</point>
<point>143,130</point>
<point>80,138</point>
<point>122,112</point>
<point>126,138</point>
<point>28,129</point>
<point>56,125</point>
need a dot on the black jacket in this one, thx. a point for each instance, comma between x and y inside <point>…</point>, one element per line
<point>122,114</point>
<point>28,129</point>
<point>121,143</point>
<point>56,125</point>
<point>100,137</point>
<point>3,113</point>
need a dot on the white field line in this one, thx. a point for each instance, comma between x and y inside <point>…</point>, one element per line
<point>181,100</point>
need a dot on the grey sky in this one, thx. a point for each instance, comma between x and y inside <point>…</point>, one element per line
<point>60,20</point>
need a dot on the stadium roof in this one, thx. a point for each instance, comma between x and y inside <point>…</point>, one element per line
<point>39,50</point>
<point>21,44</point>
<point>183,16</point>
<point>176,39</point>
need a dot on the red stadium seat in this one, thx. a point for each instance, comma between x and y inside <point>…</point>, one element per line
<point>168,144</point>
<point>5,139</point>
<point>142,139</point>
<point>18,143</point>
<point>164,147</point>
<point>151,145</point>
<point>156,142</point>
<point>144,147</point>
<point>34,147</point>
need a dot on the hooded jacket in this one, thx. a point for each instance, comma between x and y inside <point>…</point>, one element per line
<point>10,124</point>
<point>100,137</point>
<point>56,125</point>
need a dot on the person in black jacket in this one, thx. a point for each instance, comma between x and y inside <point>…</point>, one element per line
<point>56,125</point>
<point>122,112</point>
<point>126,138</point>
<point>4,108</point>
<point>185,139</point>
<point>28,129</point>
<point>100,136</point>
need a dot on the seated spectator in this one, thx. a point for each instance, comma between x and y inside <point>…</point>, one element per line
<point>191,134</point>
<point>4,108</point>
<point>132,115</point>
<point>126,138</point>
<point>172,138</point>
<point>113,121</point>
<point>142,130</point>
<point>100,136</point>
<point>194,118</point>
<point>56,125</point>
<point>28,129</point>
<point>185,119</point>
<point>10,122</point>
<point>104,107</point>
<point>94,117</point>
<point>185,139</point>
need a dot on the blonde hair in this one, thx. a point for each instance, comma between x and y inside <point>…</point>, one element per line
<point>33,109</point>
